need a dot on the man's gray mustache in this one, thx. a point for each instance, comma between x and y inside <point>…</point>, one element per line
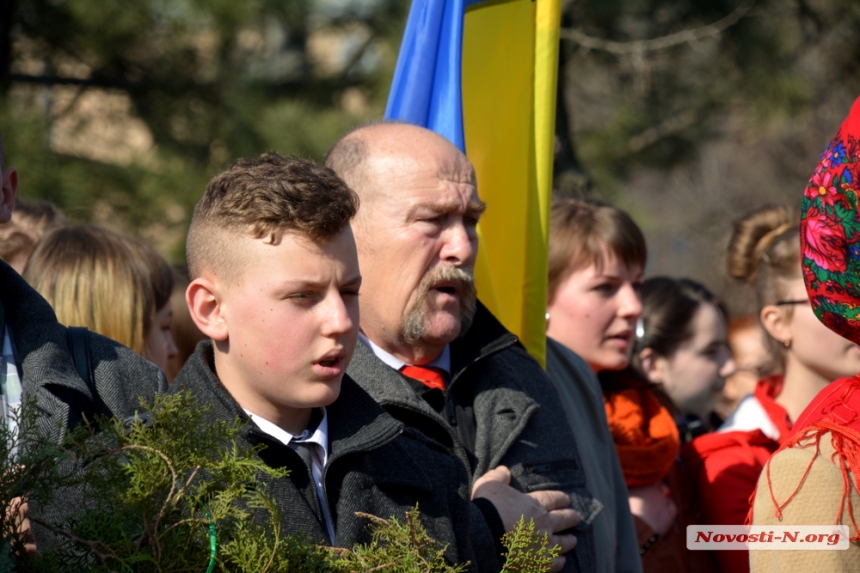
<point>416,316</point>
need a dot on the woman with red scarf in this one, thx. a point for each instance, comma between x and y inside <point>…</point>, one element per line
<point>813,477</point>
<point>724,466</point>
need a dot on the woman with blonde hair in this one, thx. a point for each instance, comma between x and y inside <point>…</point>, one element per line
<point>110,283</point>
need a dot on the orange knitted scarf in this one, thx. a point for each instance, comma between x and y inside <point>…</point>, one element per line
<point>644,432</point>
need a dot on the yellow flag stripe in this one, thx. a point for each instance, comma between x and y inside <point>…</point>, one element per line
<point>510,54</point>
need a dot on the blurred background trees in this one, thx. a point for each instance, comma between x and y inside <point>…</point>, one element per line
<point>120,111</point>
<point>687,113</point>
<point>691,113</point>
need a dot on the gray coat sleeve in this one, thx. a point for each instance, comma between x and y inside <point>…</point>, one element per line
<point>627,558</point>
<point>526,430</point>
<point>582,400</point>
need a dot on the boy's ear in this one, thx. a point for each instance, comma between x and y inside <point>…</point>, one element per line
<point>652,365</point>
<point>204,305</point>
<point>8,191</point>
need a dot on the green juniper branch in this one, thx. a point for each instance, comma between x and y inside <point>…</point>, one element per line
<point>139,495</point>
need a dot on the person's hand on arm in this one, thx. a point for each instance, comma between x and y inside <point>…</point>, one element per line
<point>550,510</point>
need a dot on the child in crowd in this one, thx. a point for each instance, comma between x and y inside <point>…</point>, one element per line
<point>753,361</point>
<point>812,478</point>
<point>724,466</point>
<point>681,346</point>
<point>275,284</point>
<point>112,284</point>
<point>31,220</point>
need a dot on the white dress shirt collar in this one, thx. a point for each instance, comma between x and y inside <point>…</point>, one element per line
<point>443,361</point>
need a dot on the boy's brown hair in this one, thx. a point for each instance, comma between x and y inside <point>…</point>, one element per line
<point>582,230</point>
<point>265,197</point>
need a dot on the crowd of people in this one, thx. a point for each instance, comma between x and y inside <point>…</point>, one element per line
<point>332,308</point>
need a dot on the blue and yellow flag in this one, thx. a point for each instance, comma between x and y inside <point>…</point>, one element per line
<point>483,74</point>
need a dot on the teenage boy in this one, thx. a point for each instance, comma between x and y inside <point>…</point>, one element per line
<point>275,286</point>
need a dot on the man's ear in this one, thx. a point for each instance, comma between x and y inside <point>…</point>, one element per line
<point>776,323</point>
<point>204,305</point>
<point>8,191</point>
<point>652,365</point>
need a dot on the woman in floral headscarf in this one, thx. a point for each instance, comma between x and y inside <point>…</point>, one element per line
<point>813,477</point>
<point>724,466</point>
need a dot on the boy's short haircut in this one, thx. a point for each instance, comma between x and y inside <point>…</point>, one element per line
<point>265,197</point>
<point>581,231</point>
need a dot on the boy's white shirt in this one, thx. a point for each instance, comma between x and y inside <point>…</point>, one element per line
<point>319,438</point>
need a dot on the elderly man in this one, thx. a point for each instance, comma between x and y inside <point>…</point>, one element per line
<point>436,358</point>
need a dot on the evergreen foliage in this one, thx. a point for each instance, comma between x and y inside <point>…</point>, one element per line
<point>166,492</point>
<point>527,550</point>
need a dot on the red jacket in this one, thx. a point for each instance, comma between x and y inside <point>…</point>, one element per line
<point>723,467</point>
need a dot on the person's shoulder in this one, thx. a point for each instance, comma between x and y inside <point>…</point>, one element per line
<point>564,363</point>
<point>122,377</point>
<point>737,452</point>
<point>720,443</point>
<point>841,394</point>
<point>110,353</point>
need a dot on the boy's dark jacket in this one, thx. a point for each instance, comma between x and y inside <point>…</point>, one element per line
<point>375,466</point>
<point>48,375</point>
<point>499,409</point>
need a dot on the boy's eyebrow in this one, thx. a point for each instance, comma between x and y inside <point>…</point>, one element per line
<point>311,283</point>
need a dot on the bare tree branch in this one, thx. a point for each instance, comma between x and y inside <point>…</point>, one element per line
<point>653,134</point>
<point>655,44</point>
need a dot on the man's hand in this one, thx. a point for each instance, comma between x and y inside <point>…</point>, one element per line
<point>549,509</point>
<point>652,504</point>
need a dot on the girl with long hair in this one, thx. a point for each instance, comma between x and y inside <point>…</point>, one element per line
<point>112,284</point>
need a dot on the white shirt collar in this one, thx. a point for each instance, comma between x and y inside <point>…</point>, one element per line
<point>443,361</point>
<point>318,436</point>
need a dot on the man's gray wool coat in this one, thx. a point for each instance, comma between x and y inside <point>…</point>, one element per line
<point>499,409</point>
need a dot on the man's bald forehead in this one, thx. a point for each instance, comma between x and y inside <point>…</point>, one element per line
<point>351,156</point>
<point>397,137</point>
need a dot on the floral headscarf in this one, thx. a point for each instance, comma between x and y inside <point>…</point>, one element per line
<point>830,232</point>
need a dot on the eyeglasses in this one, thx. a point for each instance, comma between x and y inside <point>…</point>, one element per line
<point>788,302</point>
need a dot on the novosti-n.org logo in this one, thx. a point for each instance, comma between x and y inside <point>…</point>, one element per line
<point>768,537</point>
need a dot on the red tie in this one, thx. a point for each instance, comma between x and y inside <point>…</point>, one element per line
<point>428,375</point>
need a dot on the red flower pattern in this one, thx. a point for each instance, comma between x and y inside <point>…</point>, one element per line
<point>823,234</point>
<point>824,242</point>
<point>823,185</point>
